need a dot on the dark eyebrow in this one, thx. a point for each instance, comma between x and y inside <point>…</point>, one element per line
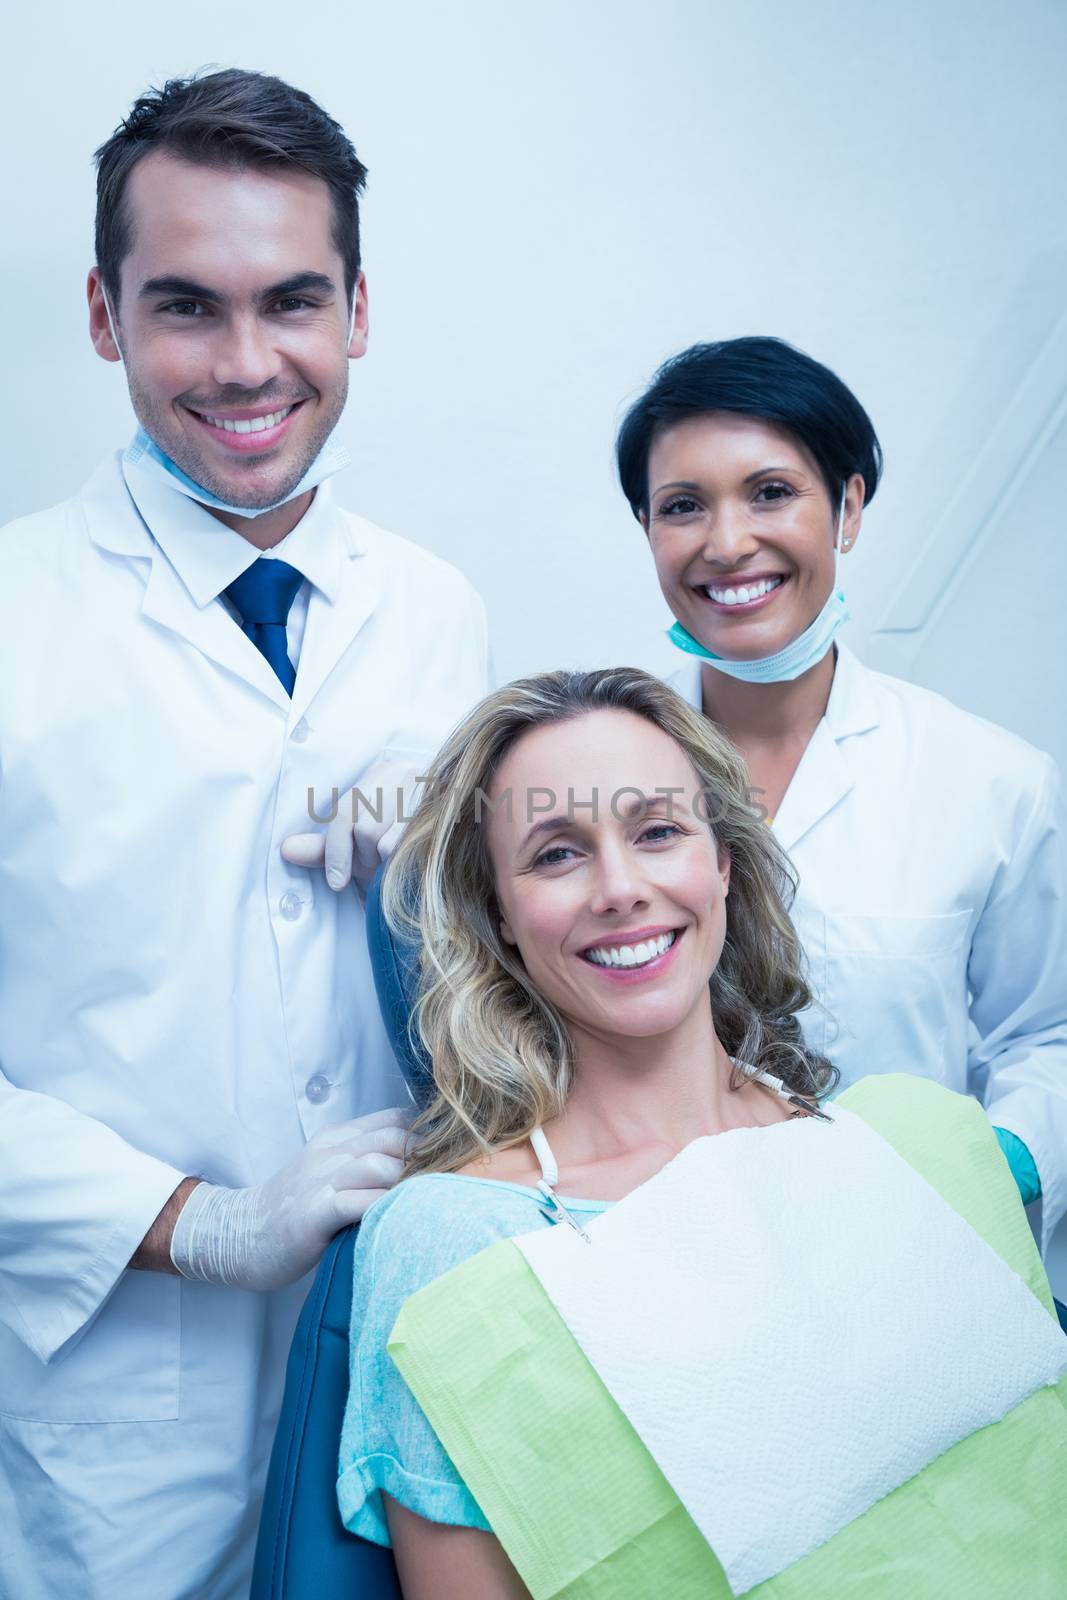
<point>641,805</point>
<point>762,472</point>
<point>300,281</point>
<point>633,807</point>
<point>188,289</point>
<point>184,288</point>
<point>549,825</point>
<point>665,486</point>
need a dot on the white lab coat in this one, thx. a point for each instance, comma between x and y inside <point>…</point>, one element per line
<point>932,867</point>
<point>174,999</point>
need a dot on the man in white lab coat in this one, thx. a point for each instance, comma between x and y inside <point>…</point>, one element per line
<point>195,649</point>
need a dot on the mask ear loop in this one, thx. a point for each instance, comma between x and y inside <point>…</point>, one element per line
<point>841,543</point>
<point>111,323</point>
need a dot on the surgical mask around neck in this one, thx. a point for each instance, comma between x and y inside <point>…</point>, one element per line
<point>144,454</point>
<point>795,658</point>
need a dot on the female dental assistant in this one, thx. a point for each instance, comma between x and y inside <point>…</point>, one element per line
<point>928,843</point>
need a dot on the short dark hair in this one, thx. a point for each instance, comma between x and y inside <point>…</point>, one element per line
<point>757,377</point>
<point>227,119</point>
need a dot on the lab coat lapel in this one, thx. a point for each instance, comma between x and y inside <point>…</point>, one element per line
<point>824,776</point>
<point>210,628</point>
<point>333,625</point>
<point>116,526</point>
<point>820,782</point>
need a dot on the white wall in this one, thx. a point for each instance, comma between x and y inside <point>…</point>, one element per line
<point>561,195</point>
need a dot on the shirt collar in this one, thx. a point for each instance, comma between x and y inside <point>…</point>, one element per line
<point>853,703</point>
<point>208,556</point>
<point>851,708</point>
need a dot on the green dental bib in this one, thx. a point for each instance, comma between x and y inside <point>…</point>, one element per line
<point>583,1510</point>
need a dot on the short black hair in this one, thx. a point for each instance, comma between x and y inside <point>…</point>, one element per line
<point>227,119</point>
<point>757,377</point>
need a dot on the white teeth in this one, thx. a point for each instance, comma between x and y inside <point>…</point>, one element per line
<point>252,424</point>
<point>742,595</point>
<point>631,955</point>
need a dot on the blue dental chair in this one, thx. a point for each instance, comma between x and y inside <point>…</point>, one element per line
<point>303,1551</point>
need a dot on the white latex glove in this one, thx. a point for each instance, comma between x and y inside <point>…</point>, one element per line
<point>271,1234</point>
<point>356,842</point>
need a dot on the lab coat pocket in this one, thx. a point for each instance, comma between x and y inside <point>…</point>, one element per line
<point>124,1368</point>
<point>896,991</point>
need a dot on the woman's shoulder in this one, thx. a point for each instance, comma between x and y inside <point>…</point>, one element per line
<point>432,1221</point>
<point>514,1163</point>
<point>413,1235</point>
<point>446,1196</point>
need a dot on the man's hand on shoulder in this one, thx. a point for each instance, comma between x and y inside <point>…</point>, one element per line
<point>271,1234</point>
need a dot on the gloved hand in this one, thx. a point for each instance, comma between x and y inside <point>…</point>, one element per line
<point>1022,1164</point>
<point>368,824</point>
<point>271,1234</point>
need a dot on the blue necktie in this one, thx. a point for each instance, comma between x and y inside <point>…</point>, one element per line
<point>263,595</point>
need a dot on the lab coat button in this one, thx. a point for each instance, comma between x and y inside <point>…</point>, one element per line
<point>290,905</point>
<point>300,732</point>
<point>317,1089</point>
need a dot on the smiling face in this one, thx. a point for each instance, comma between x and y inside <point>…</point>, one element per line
<point>619,919</point>
<point>743,532</point>
<point>233,322</point>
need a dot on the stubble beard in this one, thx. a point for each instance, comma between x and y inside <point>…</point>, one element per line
<point>158,422</point>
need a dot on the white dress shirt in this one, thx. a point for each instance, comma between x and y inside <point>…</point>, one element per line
<point>302,549</point>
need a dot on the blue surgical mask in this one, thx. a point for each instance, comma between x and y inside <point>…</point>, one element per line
<point>794,658</point>
<point>146,456</point>
<point>787,663</point>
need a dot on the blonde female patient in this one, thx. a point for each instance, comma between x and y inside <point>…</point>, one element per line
<point>630,1188</point>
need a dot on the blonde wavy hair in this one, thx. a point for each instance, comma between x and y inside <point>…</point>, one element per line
<point>501,1055</point>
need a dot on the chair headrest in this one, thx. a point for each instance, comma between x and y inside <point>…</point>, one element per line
<point>395,965</point>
